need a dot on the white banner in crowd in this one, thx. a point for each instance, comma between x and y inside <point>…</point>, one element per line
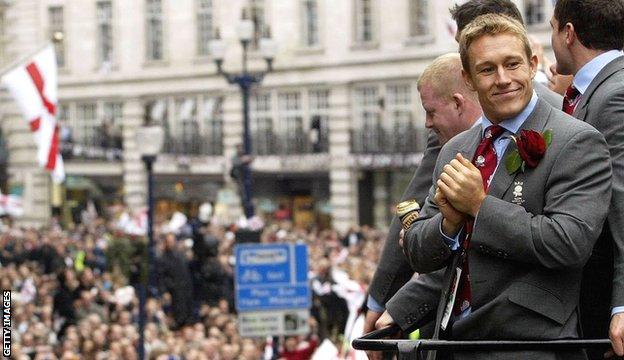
<point>11,205</point>
<point>34,86</point>
<point>135,224</point>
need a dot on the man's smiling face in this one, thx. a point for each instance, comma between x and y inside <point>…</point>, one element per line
<point>502,74</point>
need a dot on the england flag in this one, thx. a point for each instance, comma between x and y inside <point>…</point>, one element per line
<point>34,86</point>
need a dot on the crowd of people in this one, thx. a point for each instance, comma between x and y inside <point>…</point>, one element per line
<point>75,291</point>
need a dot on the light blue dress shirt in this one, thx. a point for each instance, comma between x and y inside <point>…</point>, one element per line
<point>581,82</point>
<point>588,72</point>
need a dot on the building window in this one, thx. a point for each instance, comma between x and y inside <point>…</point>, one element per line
<point>401,126</point>
<point>364,21</point>
<point>193,127</point>
<point>419,18</point>
<point>204,25</point>
<point>384,120</point>
<point>55,18</point>
<point>258,16</point>
<point>110,136</point>
<point>310,26</point>
<point>211,123</point>
<point>262,125</point>
<point>300,126</point>
<point>154,30</point>
<point>85,124</point>
<point>534,12</point>
<point>93,132</point>
<point>291,123</point>
<point>66,136</point>
<point>319,120</point>
<point>105,32</point>
<point>368,132</point>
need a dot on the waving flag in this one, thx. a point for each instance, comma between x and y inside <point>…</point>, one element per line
<point>34,86</point>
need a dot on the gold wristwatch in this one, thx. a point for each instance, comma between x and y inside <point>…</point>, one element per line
<point>408,212</point>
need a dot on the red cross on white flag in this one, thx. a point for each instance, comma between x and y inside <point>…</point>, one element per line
<point>34,87</point>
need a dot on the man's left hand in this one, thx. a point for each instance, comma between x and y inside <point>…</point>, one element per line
<point>461,184</point>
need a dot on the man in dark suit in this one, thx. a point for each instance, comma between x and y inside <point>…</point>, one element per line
<point>393,270</point>
<point>587,39</point>
<point>450,108</point>
<point>516,232</point>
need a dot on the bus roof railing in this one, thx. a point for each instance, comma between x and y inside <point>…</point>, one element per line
<point>374,341</point>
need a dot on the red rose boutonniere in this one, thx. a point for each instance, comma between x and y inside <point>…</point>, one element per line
<point>531,147</point>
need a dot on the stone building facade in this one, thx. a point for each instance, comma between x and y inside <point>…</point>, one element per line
<point>337,127</point>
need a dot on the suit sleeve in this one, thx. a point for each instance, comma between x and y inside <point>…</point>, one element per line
<point>611,124</point>
<point>564,234</point>
<point>426,249</point>
<point>415,303</point>
<point>393,270</point>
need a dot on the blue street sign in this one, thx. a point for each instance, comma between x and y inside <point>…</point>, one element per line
<point>272,277</point>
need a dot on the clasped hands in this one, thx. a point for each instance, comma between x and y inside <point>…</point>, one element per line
<point>459,194</point>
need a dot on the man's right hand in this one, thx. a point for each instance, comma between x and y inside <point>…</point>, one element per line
<point>384,321</point>
<point>616,334</point>
<point>453,218</point>
<point>369,325</point>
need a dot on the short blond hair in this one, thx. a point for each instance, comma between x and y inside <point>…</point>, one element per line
<point>443,75</point>
<point>491,24</point>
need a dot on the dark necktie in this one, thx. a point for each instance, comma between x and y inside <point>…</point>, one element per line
<point>485,160</point>
<point>570,100</point>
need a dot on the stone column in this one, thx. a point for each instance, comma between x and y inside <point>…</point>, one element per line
<point>342,176</point>
<point>134,173</point>
<point>26,177</point>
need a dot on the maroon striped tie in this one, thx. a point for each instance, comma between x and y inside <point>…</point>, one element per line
<point>485,160</point>
<point>570,100</point>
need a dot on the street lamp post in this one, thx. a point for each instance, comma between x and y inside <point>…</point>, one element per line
<point>150,142</point>
<point>245,81</point>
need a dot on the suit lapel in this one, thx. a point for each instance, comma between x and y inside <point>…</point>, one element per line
<point>581,109</point>
<point>468,148</point>
<point>536,121</point>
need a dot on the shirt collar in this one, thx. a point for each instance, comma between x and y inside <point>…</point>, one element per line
<point>588,72</point>
<point>513,124</point>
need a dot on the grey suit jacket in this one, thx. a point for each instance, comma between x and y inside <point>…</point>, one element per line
<point>526,257</point>
<point>602,106</point>
<point>552,98</point>
<point>393,270</point>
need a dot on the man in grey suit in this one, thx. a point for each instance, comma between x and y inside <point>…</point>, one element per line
<point>521,228</point>
<point>393,270</point>
<point>587,39</point>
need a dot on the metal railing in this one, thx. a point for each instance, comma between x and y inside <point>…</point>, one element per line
<point>194,144</point>
<point>92,149</point>
<point>268,142</point>
<point>383,140</point>
<point>412,349</point>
